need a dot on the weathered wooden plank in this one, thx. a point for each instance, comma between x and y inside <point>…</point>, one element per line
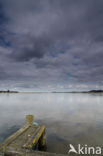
<point>26,137</point>
<point>14,136</point>
<point>35,137</point>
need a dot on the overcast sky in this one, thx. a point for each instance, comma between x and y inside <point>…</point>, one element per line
<point>51,45</point>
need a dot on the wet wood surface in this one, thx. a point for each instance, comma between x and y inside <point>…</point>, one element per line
<point>26,137</point>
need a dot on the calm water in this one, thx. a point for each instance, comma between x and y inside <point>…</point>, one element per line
<point>69,118</point>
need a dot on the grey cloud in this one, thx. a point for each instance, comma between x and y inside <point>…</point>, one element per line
<point>53,41</point>
<point>31,47</point>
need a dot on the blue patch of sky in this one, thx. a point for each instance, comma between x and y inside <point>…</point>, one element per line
<point>54,51</point>
<point>76,57</point>
<point>75,64</point>
<point>69,74</point>
<point>65,48</point>
<point>4,43</point>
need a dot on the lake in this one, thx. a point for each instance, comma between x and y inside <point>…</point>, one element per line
<point>69,118</point>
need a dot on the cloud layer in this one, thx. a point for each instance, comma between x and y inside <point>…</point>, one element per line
<point>48,45</point>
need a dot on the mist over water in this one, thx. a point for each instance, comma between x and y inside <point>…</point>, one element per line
<point>69,118</point>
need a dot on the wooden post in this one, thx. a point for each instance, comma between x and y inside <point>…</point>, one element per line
<point>42,142</point>
<point>29,119</point>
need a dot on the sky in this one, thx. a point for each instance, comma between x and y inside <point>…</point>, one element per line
<point>51,45</point>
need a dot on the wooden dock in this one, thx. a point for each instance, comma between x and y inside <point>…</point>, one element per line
<point>29,137</point>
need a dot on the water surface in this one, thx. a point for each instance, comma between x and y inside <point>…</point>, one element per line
<point>69,118</point>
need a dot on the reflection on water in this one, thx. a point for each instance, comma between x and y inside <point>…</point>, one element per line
<point>69,118</point>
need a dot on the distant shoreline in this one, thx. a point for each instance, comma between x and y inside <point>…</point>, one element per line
<point>74,92</point>
<point>91,91</point>
<point>9,91</point>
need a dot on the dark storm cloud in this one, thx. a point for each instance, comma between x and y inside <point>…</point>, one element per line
<point>46,27</point>
<point>52,42</point>
<point>31,48</point>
